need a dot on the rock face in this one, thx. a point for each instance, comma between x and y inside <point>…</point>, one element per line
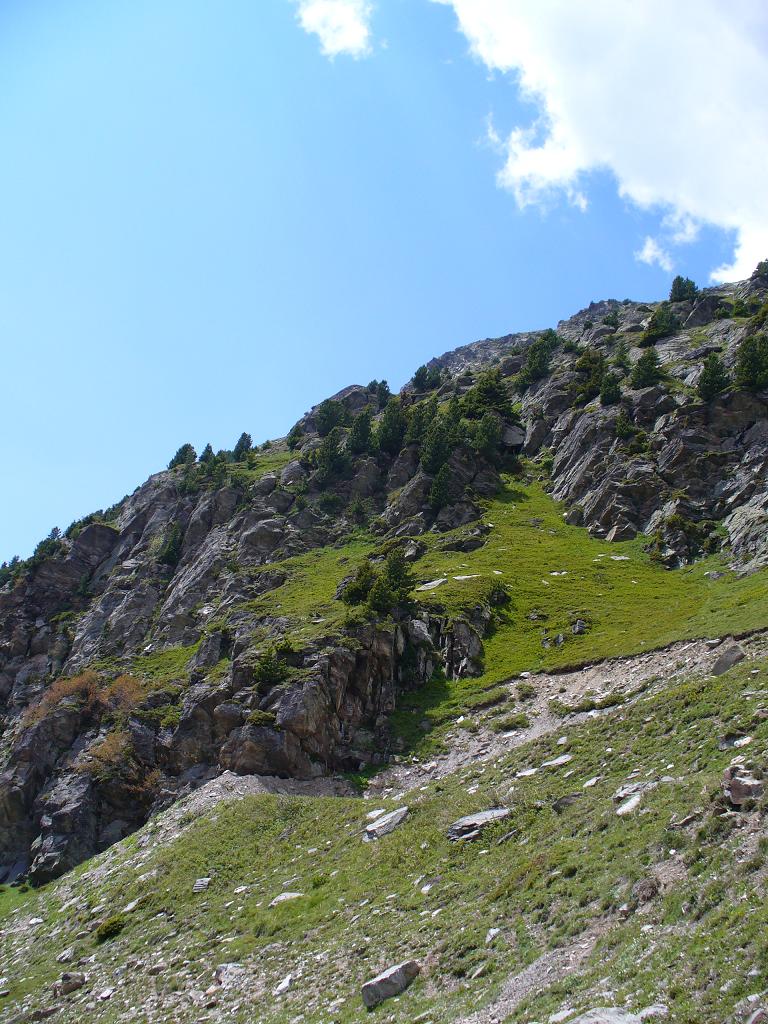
<point>168,614</point>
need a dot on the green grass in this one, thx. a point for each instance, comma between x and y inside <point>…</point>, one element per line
<point>363,907</point>
<point>308,593</point>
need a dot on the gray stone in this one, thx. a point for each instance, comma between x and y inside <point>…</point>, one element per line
<point>471,825</point>
<point>385,824</point>
<point>389,983</point>
<point>731,656</point>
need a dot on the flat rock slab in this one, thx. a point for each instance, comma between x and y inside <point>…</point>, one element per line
<point>385,823</point>
<point>432,584</point>
<point>389,983</point>
<point>284,897</point>
<point>470,826</point>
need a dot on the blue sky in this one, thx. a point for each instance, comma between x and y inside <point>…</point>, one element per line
<point>207,225</point>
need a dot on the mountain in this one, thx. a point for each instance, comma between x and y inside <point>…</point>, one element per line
<point>534,583</point>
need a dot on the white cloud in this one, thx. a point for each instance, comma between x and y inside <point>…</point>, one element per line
<point>342,26</point>
<point>652,253</point>
<point>669,97</point>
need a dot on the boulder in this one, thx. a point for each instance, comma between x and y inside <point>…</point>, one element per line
<point>389,983</point>
<point>385,824</point>
<point>727,658</point>
<point>740,785</point>
<point>471,825</point>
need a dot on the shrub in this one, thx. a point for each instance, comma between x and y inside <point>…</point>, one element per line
<point>751,370</point>
<point>612,319</point>
<point>111,927</point>
<point>262,719</point>
<point>186,455</point>
<point>170,550</point>
<point>269,670</point>
<point>83,688</point>
<point>714,378</point>
<point>682,290</point>
<point>391,429</point>
<point>647,370</point>
<point>663,322</point>
<point>330,414</point>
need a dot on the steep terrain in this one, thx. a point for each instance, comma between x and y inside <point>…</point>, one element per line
<point>403,599</point>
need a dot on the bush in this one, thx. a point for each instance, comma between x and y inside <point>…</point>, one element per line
<point>269,670</point>
<point>663,322</point>
<point>647,370</point>
<point>682,290</point>
<point>111,927</point>
<point>262,719</point>
<point>170,550</point>
<point>612,319</point>
<point>751,370</point>
<point>83,688</point>
<point>714,378</point>
<point>185,456</point>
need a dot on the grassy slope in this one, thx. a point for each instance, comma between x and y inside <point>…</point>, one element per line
<point>631,606</point>
<point>364,908</point>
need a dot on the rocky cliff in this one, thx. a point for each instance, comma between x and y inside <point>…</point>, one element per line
<point>264,611</point>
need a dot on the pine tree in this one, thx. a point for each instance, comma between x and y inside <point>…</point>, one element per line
<point>438,492</point>
<point>647,370</point>
<point>751,371</point>
<point>360,436</point>
<point>436,447</point>
<point>714,378</point>
<point>391,429</point>
<point>207,454</point>
<point>683,288</point>
<point>184,456</point>
<point>243,446</point>
<point>610,390</point>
